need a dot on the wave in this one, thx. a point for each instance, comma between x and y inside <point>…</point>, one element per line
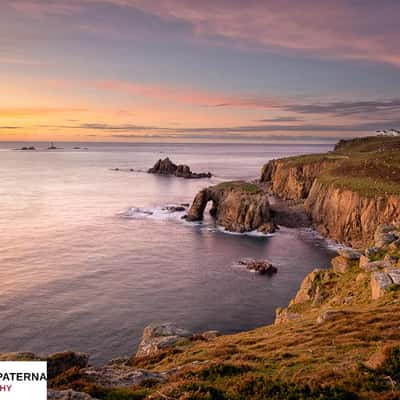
<point>167,212</point>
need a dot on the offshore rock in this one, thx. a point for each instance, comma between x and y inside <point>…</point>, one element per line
<point>237,206</point>
<point>167,167</point>
<point>261,266</point>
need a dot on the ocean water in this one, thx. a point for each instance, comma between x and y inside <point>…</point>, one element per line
<point>89,257</point>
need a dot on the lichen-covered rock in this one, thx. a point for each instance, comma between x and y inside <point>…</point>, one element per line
<point>67,395</point>
<point>384,235</point>
<point>380,282</point>
<point>375,265</point>
<point>308,286</point>
<point>283,315</point>
<point>111,376</point>
<point>330,315</point>
<point>341,264</point>
<point>363,261</point>
<point>349,254</point>
<point>58,363</point>
<point>394,274</point>
<point>158,337</point>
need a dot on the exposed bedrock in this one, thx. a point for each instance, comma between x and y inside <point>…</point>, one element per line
<point>167,167</point>
<point>237,206</point>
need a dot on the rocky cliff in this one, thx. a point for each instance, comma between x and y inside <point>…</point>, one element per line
<point>237,206</point>
<point>347,193</point>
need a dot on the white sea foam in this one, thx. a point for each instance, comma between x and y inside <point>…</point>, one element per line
<point>157,213</point>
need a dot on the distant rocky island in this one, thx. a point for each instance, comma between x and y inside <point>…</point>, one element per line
<point>167,168</point>
<point>338,338</point>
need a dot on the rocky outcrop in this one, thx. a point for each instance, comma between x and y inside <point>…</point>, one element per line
<point>261,266</point>
<point>237,206</point>
<point>168,168</point>
<point>158,337</point>
<point>348,217</point>
<point>58,363</point>
<point>293,181</point>
<point>67,395</point>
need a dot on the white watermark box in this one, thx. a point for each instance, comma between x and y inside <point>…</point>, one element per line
<point>23,380</point>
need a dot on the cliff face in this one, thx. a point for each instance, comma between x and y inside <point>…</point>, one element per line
<point>348,217</point>
<point>347,193</point>
<point>292,181</point>
<point>237,206</point>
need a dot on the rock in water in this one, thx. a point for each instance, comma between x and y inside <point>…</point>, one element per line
<point>237,206</point>
<point>168,168</point>
<point>260,266</point>
<point>158,337</point>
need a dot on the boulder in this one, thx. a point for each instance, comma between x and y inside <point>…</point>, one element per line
<point>67,395</point>
<point>268,227</point>
<point>375,265</point>
<point>384,235</point>
<point>341,264</point>
<point>158,337</point>
<point>380,282</point>
<point>394,246</point>
<point>330,315</point>
<point>394,274</point>
<point>390,259</point>
<point>260,266</point>
<point>58,363</point>
<point>307,287</point>
<point>115,375</point>
<point>349,254</point>
<point>210,335</point>
<point>371,252</point>
<point>283,315</point>
<point>364,260</point>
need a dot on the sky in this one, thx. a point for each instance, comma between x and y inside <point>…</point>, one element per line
<point>189,70</point>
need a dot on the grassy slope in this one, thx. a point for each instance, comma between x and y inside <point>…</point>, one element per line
<point>370,166</point>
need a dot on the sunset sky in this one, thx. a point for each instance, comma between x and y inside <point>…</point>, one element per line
<point>110,70</point>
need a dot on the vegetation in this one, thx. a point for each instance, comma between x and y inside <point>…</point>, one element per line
<point>239,185</point>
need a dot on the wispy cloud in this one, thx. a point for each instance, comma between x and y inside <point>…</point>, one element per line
<point>348,30</point>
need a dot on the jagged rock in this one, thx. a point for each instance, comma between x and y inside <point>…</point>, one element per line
<point>19,356</point>
<point>158,337</point>
<point>266,228</point>
<point>380,282</point>
<point>375,265</point>
<point>349,254</point>
<point>283,315</point>
<point>394,246</point>
<point>330,315</point>
<point>173,209</point>
<point>58,363</point>
<point>363,261</point>
<point>390,259</point>
<point>167,167</point>
<point>307,288</point>
<point>237,206</point>
<point>210,335</point>
<point>67,395</point>
<point>341,264</point>
<point>111,376</point>
<point>394,274</point>
<point>260,266</point>
<point>371,252</point>
<point>384,235</point>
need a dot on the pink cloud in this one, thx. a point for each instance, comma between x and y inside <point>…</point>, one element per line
<point>188,95</point>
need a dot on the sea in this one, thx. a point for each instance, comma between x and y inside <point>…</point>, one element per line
<point>89,254</point>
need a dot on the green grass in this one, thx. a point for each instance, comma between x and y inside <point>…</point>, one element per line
<point>239,185</point>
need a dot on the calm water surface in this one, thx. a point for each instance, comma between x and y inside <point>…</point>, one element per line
<point>83,266</point>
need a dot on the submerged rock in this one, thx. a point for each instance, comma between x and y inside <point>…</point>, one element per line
<point>158,337</point>
<point>168,168</point>
<point>260,266</point>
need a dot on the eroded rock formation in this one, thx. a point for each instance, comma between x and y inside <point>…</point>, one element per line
<point>237,206</point>
<point>168,168</point>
